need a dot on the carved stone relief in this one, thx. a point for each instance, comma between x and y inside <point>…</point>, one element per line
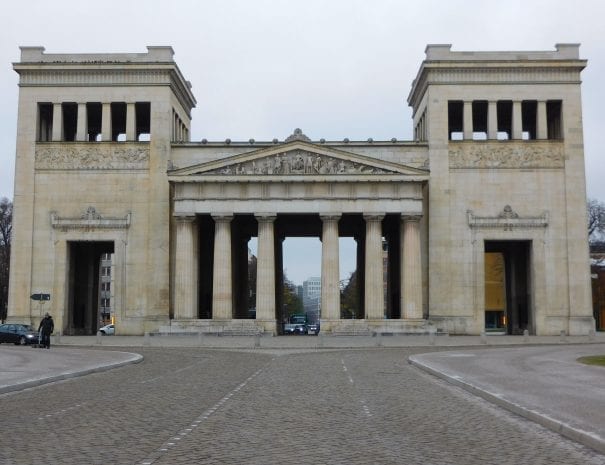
<point>507,220</point>
<point>91,156</point>
<point>90,219</point>
<point>297,162</point>
<point>506,155</point>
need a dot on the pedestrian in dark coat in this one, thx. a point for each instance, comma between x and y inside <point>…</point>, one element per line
<point>46,328</point>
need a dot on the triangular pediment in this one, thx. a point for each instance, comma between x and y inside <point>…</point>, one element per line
<point>297,158</point>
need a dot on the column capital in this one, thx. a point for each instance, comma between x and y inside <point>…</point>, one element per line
<point>265,217</point>
<point>222,217</point>
<point>330,216</point>
<point>374,216</point>
<point>185,217</point>
<point>411,218</point>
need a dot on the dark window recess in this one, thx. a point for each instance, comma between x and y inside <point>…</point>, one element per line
<point>455,110</point>
<point>45,122</point>
<point>529,111</point>
<point>143,120</point>
<point>94,113</point>
<point>504,110</point>
<point>554,119</point>
<point>118,121</point>
<point>480,119</point>
<point>70,121</point>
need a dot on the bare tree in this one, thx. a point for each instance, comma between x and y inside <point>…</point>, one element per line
<point>596,220</point>
<point>6,226</point>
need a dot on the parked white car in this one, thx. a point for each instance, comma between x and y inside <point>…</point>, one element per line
<point>107,330</point>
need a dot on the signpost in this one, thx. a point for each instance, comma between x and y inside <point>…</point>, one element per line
<point>41,298</point>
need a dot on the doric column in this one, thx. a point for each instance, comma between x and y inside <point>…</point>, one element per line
<point>411,272</point>
<point>57,134</point>
<point>82,129</point>
<point>374,287</point>
<point>517,121</point>
<point>492,119</point>
<point>541,125</point>
<point>106,122</point>
<point>265,269</point>
<point>222,289</point>
<point>467,121</point>
<point>131,134</point>
<point>330,270</point>
<point>186,268</point>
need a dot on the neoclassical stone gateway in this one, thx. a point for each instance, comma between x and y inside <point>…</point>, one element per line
<point>483,213</point>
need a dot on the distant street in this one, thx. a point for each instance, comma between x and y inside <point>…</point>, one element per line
<point>191,405</point>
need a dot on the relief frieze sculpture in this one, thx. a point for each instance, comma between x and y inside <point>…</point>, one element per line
<point>298,162</point>
<point>506,155</point>
<point>91,156</point>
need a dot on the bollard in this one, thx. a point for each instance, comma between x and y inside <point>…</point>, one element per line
<point>58,338</point>
<point>562,337</point>
<point>99,339</point>
<point>525,335</point>
<point>591,335</point>
<point>483,338</point>
<point>320,340</point>
<point>199,338</point>
<point>378,339</point>
<point>146,339</point>
<point>432,338</point>
<point>256,341</point>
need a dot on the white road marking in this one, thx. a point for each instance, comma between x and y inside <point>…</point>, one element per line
<point>165,447</point>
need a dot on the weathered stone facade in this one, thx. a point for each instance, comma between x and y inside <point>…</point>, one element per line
<point>483,212</point>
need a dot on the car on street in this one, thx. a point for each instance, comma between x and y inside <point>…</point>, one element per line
<point>313,328</point>
<point>18,334</point>
<point>107,330</point>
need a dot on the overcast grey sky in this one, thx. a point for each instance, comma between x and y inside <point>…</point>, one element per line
<point>338,68</point>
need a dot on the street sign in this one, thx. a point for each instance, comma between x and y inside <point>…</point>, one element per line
<point>40,297</point>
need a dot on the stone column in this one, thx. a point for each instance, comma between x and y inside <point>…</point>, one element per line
<point>411,273</point>
<point>492,120</point>
<point>330,270</point>
<point>222,289</point>
<point>265,269</point>
<point>57,134</point>
<point>374,288</point>
<point>186,268</point>
<point>467,121</point>
<point>517,121</point>
<point>106,122</point>
<point>131,134</point>
<point>541,125</point>
<point>82,129</point>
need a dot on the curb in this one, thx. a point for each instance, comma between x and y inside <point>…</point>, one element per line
<point>134,358</point>
<point>586,438</point>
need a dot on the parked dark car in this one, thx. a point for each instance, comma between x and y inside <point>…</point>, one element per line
<point>313,328</point>
<point>18,334</point>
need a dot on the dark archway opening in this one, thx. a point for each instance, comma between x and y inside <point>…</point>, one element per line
<point>508,287</point>
<point>84,276</point>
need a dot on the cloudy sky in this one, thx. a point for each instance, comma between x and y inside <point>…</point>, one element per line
<point>335,68</point>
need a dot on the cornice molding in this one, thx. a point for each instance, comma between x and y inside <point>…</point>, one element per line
<point>507,220</point>
<point>89,220</point>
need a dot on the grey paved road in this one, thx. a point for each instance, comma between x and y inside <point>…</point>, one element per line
<point>188,405</point>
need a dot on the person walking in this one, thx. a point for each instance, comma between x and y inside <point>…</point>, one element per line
<point>45,329</point>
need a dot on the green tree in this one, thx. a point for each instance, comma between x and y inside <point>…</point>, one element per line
<point>348,298</point>
<point>6,226</point>
<point>292,302</point>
